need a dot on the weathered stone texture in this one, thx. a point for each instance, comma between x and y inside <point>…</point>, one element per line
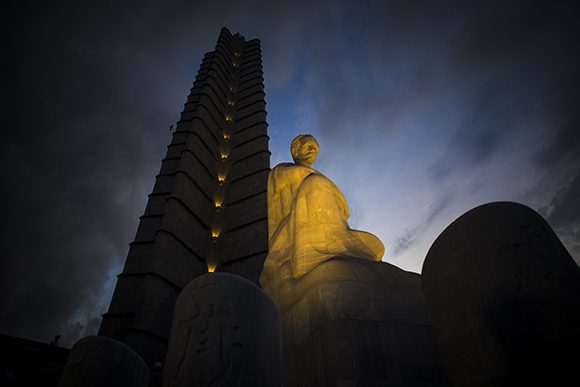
<point>351,322</point>
<point>504,297</point>
<point>225,332</point>
<point>97,361</point>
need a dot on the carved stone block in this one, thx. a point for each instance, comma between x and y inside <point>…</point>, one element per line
<point>99,361</point>
<point>504,297</point>
<point>225,332</point>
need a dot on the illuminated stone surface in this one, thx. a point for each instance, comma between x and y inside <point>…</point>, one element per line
<point>347,320</point>
<point>97,361</point>
<point>308,221</point>
<point>351,322</point>
<point>225,332</point>
<point>504,297</point>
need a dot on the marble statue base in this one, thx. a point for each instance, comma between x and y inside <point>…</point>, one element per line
<point>351,322</point>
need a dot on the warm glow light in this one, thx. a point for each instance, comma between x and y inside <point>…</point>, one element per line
<point>215,234</point>
<point>236,54</point>
<point>218,203</point>
<point>309,239</point>
<point>228,119</point>
<point>230,103</point>
<point>232,88</point>
<point>226,136</point>
<point>211,267</point>
<point>221,178</point>
<point>235,65</point>
<point>224,156</point>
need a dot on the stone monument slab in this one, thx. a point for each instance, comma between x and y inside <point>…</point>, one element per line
<point>99,361</point>
<point>504,297</point>
<point>225,332</point>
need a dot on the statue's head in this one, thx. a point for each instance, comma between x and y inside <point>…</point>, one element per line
<point>304,149</point>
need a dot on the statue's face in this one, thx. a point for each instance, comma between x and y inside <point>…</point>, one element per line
<point>307,152</point>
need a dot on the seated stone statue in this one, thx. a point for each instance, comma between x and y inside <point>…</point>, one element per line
<point>308,220</point>
<point>343,311</point>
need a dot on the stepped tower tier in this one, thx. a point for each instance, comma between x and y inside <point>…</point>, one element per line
<point>208,208</point>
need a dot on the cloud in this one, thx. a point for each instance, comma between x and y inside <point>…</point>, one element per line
<point>406,241</point>
<point>563,214</point>
<point>412,237</point>
<point>442,90</point>
<point>564,208</point>
<point>92,91</point>
<point>77,161</point>
<point>564,146</point>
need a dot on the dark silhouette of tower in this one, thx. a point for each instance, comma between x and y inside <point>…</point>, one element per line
<point>208,208</point>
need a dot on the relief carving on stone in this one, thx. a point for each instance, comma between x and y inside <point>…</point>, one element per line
<point>212,354</point>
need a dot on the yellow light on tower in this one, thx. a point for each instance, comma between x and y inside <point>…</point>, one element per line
<point>226,137</point>
<point>211,267</point>
<point>231,103</point>
<point>218,203</point>
<point>215,234</point>
<point>228,119</point>
<point>224,156</point>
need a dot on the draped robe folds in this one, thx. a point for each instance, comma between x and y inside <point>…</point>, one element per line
<point>307,225</point>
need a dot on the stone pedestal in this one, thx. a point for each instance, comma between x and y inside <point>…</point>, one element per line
<point>98,361</point>
<point>504,297</point>
<point>225,332</point>
<point>351,322</point>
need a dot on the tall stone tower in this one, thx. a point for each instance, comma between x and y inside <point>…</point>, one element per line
<point>208,208</point>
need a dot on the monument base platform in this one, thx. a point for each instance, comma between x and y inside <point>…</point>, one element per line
<point>351,322</point>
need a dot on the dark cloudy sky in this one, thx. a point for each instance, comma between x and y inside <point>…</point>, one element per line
<point>423,109</point>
